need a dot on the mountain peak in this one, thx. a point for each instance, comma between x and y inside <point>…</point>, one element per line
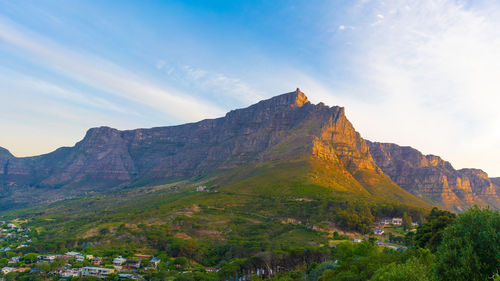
<point>4,153</point>
<point>292,99</point>
<point>296,99</point>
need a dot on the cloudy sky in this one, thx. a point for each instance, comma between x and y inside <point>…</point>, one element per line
<point>419,73</point>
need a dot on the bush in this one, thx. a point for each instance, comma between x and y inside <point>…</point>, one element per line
<point>471,247</point>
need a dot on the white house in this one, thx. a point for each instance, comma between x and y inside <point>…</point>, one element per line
<point>119,260</point>
<point>397,221</point>
<point>6,270</point>
<point>201,188</point>
<point>99,272</point>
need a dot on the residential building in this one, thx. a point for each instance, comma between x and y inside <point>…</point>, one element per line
<point>96,260</point>
<point>397,221</point>
<point>99,272</point>
<point>132,264</point>
<point>7,269</point>
<point>69,273</point>
<point>22,269</point>
<point>119,260</point>
<point>154,262</point>
<point>201,188</point>
<point>72,254</point>
<point>48,258</point>
<point>211,269</point>
<point>80,258</point>
<point>128,276</point>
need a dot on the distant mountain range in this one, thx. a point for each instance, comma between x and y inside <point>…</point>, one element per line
<point>272,133</point>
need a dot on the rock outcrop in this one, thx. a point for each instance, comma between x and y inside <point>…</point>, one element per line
<point>284,127</point>
<point>431,178</point>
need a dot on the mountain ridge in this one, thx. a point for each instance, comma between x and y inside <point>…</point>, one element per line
<point>276,130</point>
<point>284,128</point>
<point>434,179</point>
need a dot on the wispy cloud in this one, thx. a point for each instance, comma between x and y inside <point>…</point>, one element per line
<point>427,71</point>
<point>218,84</point>
<point>105,76</point>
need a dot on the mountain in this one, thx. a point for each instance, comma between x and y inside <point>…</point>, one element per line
<point>285,135</point>
<point>432,179</point>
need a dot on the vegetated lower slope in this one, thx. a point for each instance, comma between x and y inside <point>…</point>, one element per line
<point>268,209</point>
<point>282,129</point>
<point>431,178</point>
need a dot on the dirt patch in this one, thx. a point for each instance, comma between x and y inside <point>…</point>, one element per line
<point>182,236</point>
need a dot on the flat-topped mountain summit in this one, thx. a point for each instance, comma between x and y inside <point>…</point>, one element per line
<point>273,132</point>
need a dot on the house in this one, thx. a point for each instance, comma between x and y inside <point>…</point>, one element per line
<point>386,222</point>
<point>7,269</point>
<point>201,188</point>
<point>72,254</point>
<point>13,260</point>
<point>358,240</point>
<point>48,258</point>
<point>397,221</point>
<point>132,264</point>
<point>211,269</point>
<point>119,260</point>
<point>69,273</point>
<point>414,224</point>
<point>378,232</point>
<point>22,269</point>
<point>99,272</point>
<point>11,225</point>
<point>96,260</point>
<point>127,276</point>
<point>79,258</point>
<point>154,262</point>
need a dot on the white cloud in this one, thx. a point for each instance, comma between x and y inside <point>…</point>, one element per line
<point>106,76</point>
<point>428,77</point>
<point>217,84</point>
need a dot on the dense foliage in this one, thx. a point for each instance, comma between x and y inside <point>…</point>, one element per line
<point>430,234</point>
<point>262,237</point>
<point>470,249</point>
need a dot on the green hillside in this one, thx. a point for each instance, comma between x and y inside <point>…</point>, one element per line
<point>250,209</point>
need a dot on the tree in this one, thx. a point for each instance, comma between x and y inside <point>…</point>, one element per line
<point>30,258</point>
<point>411,270</point>
<point>327,275</point>
<point>470,249</point>
<point>406,221</point>
<point>4,262</point>
<point>316,273</point>
<point>429,234</point>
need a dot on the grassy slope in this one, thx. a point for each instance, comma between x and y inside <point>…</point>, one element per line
<point>261,206</point>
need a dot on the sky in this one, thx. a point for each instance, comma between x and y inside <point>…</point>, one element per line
<point>419,73</point>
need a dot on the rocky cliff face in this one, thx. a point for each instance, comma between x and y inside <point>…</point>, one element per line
<point>431,178</point>
<point>283,127</point>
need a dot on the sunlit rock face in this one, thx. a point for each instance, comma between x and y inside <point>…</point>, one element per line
<point>432,178</point>
<point>284,127</point>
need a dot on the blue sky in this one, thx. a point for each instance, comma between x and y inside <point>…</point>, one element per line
<point>423,74</point>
